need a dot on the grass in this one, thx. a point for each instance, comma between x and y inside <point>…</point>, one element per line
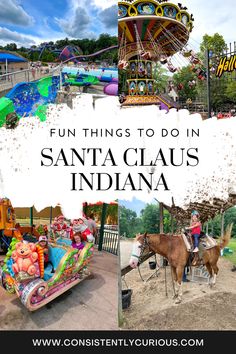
<point>232,246</point>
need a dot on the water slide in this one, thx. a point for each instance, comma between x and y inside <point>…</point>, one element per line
<point>82,80</point>
<point>29,98</point>
<point>110,89</point>
<point>93,54</point>
<point>102,77</point>
<point>6,106</point>
<point>32,98</point>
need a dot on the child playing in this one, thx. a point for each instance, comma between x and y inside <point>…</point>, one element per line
<point>76,241</point>
<point>195,228</point>
<point>43,243</point>
<point>81,225</point>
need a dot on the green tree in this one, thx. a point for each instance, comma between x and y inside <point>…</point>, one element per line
<point>161,78</point>
<point>230,217</point>
<point>33,56</point>
<point>123,87</point>
<point>24,54</point>
<point>105,41</point>
<point>150,219</point>
<point>214,225</point>
<point>48,56</point>
<point>183,78</point>
<point>129,223</point>
<point>11,47</point>
<point>231,90</point>
<point>215,43</point>
<point>167,221</point>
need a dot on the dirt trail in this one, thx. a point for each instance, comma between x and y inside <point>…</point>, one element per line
<point>202,308</point>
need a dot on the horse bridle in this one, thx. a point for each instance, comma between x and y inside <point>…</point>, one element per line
<point>143,246</point>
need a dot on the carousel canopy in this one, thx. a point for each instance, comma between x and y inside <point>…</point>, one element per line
<point>165,23</point>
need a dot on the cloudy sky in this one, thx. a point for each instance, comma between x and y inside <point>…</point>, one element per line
<point>210,17</point>
<point>135,205</point>
<point>28,22</point>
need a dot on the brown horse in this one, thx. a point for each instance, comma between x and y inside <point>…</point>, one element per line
<point>173,248</point>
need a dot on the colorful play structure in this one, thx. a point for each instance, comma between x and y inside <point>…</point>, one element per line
<point>68,53</point>
<point>81,77</point>
<point>62,54</point>
<point>30,98</point>
<point>82,80</point>
<point>26,271</point>
<point>149,32</point>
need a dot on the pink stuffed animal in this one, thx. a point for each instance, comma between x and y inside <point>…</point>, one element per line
<point>24,256</point>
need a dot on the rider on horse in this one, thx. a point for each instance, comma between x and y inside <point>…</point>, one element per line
<point>195,228</point>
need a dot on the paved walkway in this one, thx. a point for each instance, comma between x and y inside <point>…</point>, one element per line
<point>90,305</point>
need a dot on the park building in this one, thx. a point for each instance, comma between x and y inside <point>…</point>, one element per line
<point>11,62</point>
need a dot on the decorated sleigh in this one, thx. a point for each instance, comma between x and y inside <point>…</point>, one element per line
<point>23,270</point>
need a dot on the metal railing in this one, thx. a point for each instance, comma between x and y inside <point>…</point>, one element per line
<point>195,106</point>
<point>110,241</point>
<point>9,80</point>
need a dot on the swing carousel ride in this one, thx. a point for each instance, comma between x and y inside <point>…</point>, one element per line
<point>149,32</point>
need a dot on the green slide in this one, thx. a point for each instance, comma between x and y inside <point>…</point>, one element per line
<point>6,106</point>
<point>84,80</point>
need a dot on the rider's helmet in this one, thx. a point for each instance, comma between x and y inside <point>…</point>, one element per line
<point>195,212</point>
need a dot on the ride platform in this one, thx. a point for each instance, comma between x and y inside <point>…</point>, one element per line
<point>141,100</point>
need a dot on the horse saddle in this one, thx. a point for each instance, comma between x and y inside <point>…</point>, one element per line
<point>207,242</point>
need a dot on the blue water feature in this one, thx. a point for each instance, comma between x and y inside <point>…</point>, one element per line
<point>28,96</point>
<point>104,74</point>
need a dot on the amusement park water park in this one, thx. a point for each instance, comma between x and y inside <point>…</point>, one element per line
<point>158,63</point>
<point>47,74</point>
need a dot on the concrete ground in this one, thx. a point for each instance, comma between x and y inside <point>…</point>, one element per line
<point>8,83</point>
<point>90,305</point>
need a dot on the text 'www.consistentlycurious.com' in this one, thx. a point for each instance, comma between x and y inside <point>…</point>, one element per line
<point>118,342</point>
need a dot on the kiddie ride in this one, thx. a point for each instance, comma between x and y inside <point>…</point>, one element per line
<point>23,271</point>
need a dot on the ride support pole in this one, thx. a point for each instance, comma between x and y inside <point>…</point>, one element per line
<point>51,209</point>
<point>161,218</point>
<point>31,217</point>
<point>208,83</point>
<point>222,223</point>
